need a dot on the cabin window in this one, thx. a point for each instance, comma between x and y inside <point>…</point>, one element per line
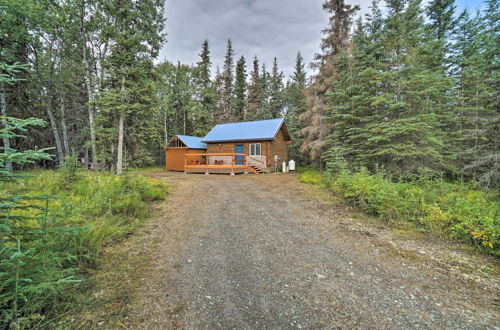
<point>255,149</point>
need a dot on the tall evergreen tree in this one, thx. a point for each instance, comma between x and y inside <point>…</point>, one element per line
<point>477,69</point>
<point>240,90</point>
<point>405,135</point>
<point>126,104</point>
<point>219,96</point>
<point>276,101</point>
<point>228,83</point>
<point>205,115</point>
<point>204,65</point>
<point>254,101</point>
<point>440,13</point>
<point>296,105</point>
<point>316,127</point>
<point>263,111</point>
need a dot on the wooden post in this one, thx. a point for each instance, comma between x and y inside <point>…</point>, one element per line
<point>207,163</point>
<point>232,164</point>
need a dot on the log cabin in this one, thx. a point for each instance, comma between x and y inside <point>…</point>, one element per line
<point>252,146</point>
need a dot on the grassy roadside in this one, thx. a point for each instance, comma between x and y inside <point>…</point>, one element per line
<point>62,237</point>
<point>454,210</point>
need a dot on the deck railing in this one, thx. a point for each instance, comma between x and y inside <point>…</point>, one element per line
<point>228,162</point>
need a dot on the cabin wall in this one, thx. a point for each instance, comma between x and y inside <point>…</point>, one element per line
<point>268,148</point>
<point>278,147</point>
<point>174,158</point>
<point>230,147</point>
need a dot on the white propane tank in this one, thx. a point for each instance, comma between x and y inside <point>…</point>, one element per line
<point>283,167</point>
<point>291,165</point>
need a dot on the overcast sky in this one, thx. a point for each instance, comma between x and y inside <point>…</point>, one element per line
<point>266,28</point>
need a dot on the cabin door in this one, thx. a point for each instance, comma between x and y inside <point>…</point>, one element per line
<point>239,160</point>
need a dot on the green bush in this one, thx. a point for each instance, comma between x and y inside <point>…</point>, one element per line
<point>456,210</point>
<point>310,176</point>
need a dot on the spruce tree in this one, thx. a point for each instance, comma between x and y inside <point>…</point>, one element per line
<point>316,127</point>
<point>227,83</point>
<point>240,91</point>
<point>263,111</point>
<point>276,101</point>
<point>205,114</point>
<point>440,13</point>
<point>476,64</point>
<point>405,135</point>
<point>254,101</point>
<point>219,97</point>
<point>296,105</point>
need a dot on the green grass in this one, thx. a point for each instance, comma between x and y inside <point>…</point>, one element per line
<point>109,206</point>
<point>455,210</point>
<point>146,169</point>
<point>61,238</point>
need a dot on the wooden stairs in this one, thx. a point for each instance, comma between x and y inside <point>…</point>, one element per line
<point>256,165</point>
<point>256,169</point>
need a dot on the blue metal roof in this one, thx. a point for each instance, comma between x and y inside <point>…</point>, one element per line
<point>244,131</point>
<point>192,142</point>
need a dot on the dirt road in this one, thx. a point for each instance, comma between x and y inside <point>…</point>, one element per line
<point>259,252</point>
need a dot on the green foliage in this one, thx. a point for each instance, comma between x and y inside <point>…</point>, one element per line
<point>68,233</point>
<point>311,176</point>
<point>295,100</point>
<point>69,170</point>
<point>276,92</point>
<point>389,99</point>
<point>476,68</point>
<point>254,100</point>
<point>455,210</point>
<point>34,264</point>
<point>240,90</point>
<point>45,240</point>
<point>227,91</point>
<point>15,128</point>
<point>411,89</point>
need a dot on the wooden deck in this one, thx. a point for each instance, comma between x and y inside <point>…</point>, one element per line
<point>229,163</point>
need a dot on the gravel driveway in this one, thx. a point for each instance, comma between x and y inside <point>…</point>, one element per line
<point>255,252</point>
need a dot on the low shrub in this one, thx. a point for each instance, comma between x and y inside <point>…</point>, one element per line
<point>456,210</point>
<point>310,176</point>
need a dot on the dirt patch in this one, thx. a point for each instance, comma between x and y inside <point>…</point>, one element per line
<point>268,252</point>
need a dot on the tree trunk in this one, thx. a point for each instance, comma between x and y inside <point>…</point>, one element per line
<point>88,85</point>
<point>3,106</point>
<point>119,155</point>
<point>53,126</point>
<point>184,121</point>
<point>165,128</point>
<point>63,123</point>
<point>112,148</point>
